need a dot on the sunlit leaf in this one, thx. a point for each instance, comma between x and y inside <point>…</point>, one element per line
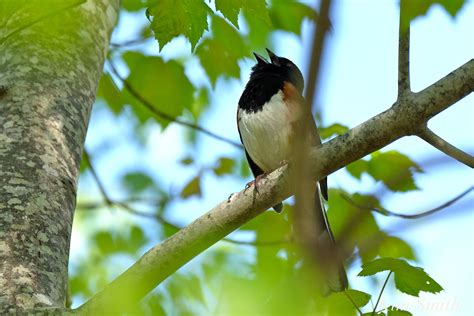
<point>170,18</point>
<point>357,224</point>
<point>394,169</point>
<point>104,241</point>
<point>219,54</point>
<point>288,15</point>
<point>192,188</point>
<point>393,311</point>
<point>357,167</point>
<point>408,279</point>
<point>200,102</point>
<point>230,9</point>
<point>109,92</point>
<point>163,84</point>
<point>244,168</point>
<point>339,303</point>
<point>259,28</point>
<point>153,304</point>
<point>187,161</point>
<point>334,129</point>
<point>412,9</point>
<point>134,5</point>
<point>84,163</point>
<point>225,166</point>
<point>137,182</point>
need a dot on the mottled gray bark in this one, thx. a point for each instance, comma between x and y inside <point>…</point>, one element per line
<point>51,59</point>
<point>407,116</point>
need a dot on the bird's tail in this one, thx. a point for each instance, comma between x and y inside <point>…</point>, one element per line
<point>333,270</point>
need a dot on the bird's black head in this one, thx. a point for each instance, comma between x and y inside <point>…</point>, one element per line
<point>279,66</point>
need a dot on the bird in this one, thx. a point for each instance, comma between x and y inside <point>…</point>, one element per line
<point>268,113</point>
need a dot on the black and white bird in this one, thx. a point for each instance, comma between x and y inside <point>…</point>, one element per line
<point>269,111</point>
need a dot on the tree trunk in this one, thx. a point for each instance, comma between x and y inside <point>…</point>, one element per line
<point>51,58</point>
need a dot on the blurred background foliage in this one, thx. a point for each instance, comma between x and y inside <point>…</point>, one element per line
<point>258,270</point>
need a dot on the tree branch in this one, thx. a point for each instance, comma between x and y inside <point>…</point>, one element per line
<point>402,119</point>
<point>164,115</point>
<point>403,57</point>
<point>430,137</point>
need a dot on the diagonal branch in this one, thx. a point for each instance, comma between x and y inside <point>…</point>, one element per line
<point>402,119</point>
<point>164,115</point>
<point>430,137</point>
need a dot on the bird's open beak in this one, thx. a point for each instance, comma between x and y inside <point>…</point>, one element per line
<point>260,59</point>
<point>273,57</point>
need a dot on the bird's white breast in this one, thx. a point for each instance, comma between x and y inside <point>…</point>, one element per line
<point>266,134</point>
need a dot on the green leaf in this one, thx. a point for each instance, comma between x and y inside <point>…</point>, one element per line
<point>387,246</point>
<point>85,164</point>
<point>408,279</point>
<point>257,9</point>
<point>230,9</point>
<point>244,168</point>
<point>200,102</point>
<point>225,166</point>
<point>162,84</point>
<point>357,167</point>
<point>395,247</point>
<point>219,55</point>
<point>357,225</point>
<point>128,242</point>
<point>109,92</point>
<point>259,27</point>
<point>192,188</point>
<point>137,239</point>
<point>288,15</point>
<point>393,311</point>
<point>137,182</point>
<point>134,5</point>
<point>339,304</point>
<point>172,18</point>
<point>394,169</point>
<point>412,9</point>
<point>187,161</point>
<point>334,129</point>
<point>104,242</point>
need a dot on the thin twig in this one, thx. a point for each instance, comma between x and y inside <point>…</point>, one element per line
<point>381,292</point>
<point>412,216</point>
<point>431,138</point>
<point>164,115</point>
<point>403,57</point>
<point>39,19</point>
<point>109,202</point>
<point>99,183</point>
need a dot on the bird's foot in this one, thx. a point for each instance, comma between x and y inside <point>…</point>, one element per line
<point>255,182</point>
<point>283,162</point>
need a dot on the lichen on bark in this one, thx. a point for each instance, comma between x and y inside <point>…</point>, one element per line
<point>51,58</point>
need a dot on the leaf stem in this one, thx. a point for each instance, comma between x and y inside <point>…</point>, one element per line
<point>381,292</point>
